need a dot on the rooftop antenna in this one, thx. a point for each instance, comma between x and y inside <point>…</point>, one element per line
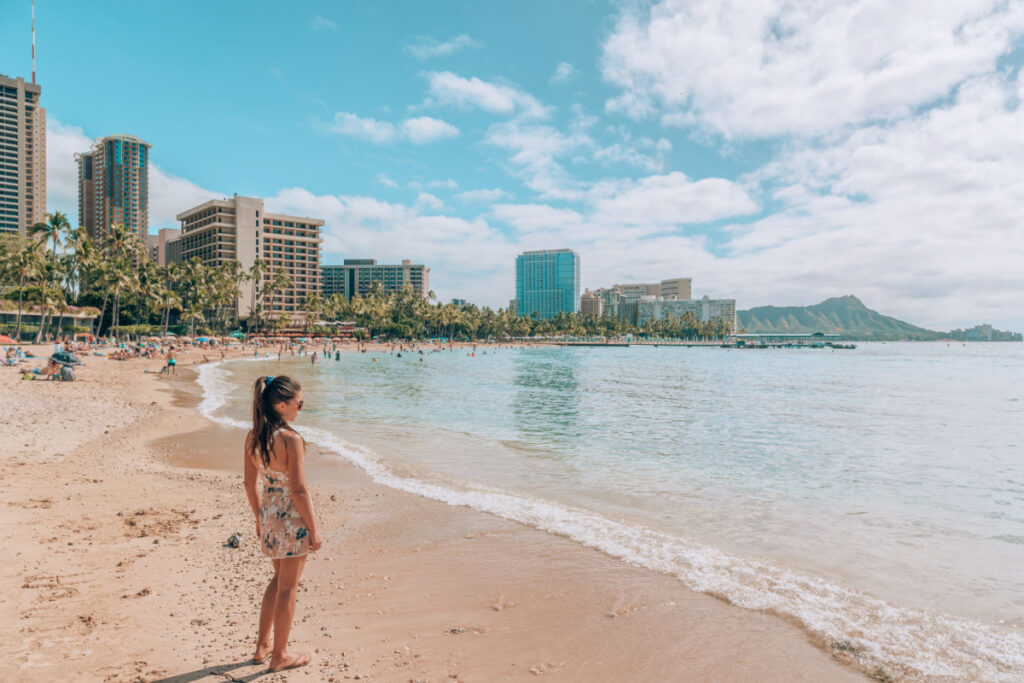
<point>33,42</point>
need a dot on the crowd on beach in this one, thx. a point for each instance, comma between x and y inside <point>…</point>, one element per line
<point>205,350</point>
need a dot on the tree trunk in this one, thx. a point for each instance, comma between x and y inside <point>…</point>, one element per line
<point>42,316</point>
<point>21,288</point>
<point>117,313</point>
<point>103,312</point>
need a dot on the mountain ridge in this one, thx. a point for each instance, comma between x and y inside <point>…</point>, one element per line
<point>844,315</point>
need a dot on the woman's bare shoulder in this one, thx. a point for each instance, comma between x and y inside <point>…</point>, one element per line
<point>290,437</point>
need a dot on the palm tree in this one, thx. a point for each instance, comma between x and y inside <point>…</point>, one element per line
<point>168,299</point>
<point>26,264</point>
<point>314,307</point>
<point>123,279</point>
<point>123,247</point>
<point>227,279</point>
<point>83,252</point>
<point>256,274</point>
<point>193,312</point>
<point>55,226</point>
<point>278,280</point>
<point>148,279</point>
<point>66,273</point>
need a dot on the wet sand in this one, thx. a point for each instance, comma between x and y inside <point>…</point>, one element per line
<point>120,496</point>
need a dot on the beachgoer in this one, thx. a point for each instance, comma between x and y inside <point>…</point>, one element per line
<point>312,359</point>
<point>275,482</point>
<point>171,361</point>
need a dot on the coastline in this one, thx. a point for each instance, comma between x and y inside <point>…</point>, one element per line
<point>405,588</point>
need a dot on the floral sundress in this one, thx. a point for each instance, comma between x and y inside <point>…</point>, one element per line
<point>283,533</point>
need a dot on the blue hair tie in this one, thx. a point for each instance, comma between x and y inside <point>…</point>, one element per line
<point>269,380</point>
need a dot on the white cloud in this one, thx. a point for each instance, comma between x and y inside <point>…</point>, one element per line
<point>385,180</point>
<point>419,130</point>
<point>534,218</point>
<point>323,23</point>
<point>168,194</point>
<point>423,129</point>
<point>644,153</point>
<point>534,151</point>
<point>780,68</point>
<point>467,258</point>
<point>447,184</point>
<point>429,48</point>
<point>364,128</point>
<point>429,202</point>
<point>563,72</point>
<point>922,216</point>
<point>447,88</point>
<point>62,143</point>
<point>670,200</point>
<point>485,195</point>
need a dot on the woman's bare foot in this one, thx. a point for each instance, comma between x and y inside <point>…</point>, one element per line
<point>261,654</point>
<point>287,661</point>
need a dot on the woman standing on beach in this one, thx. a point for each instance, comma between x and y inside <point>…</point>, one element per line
<point>275,482</point>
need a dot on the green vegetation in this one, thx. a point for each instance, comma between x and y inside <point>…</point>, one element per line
<point>845,315</point>
<point>115,280</point>
<point>405,314</point>
<point>132,296</point>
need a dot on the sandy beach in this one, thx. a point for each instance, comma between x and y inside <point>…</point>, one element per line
<point>119,498</point>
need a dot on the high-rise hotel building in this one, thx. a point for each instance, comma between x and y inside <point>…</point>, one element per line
<point>239,229</point>
<point>22,155</point>
<point>358,276</point>
<point>113,185</point>
<point>547,283</point>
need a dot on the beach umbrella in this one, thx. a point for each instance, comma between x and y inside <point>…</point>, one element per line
<point>4,339</point>
<point>152,339</point>
<point>65,358</point>
<point>237,334</point>
<point>202,339</point>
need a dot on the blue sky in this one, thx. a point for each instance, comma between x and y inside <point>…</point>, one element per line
<point>776,154</point>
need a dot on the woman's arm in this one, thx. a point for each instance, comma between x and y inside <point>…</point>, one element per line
<point>251,478</point>
<point>297,476</point>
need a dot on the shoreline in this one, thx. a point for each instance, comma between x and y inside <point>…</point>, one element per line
<point>405,588</point>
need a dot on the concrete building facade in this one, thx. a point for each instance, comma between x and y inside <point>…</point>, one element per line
<point>357,276</point>
<point>547,283</point>
<point>165,246</point>
<point>591,304</point>
<point>238,229</point>
<point>676,288</point>
<point>113,185</point>
<point>705,309</point>
<point>22,156</point>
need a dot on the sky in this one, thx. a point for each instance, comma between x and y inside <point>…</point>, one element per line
<point>777,152</point>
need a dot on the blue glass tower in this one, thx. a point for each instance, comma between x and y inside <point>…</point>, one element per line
<point>547,283</point>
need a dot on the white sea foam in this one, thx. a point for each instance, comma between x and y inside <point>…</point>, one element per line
<point>901,642</point>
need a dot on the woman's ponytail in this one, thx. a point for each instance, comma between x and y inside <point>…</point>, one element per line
<point>268,391</point>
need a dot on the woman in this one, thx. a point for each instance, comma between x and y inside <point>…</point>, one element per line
<point>275,482</point>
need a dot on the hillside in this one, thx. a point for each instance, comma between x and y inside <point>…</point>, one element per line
<point>845,315</point>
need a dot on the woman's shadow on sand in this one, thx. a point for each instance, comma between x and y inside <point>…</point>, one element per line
<point>220,672</point>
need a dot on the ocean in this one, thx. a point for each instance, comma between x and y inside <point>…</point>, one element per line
<point>875,496</point>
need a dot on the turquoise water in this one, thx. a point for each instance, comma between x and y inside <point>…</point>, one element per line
<point>874,495</point>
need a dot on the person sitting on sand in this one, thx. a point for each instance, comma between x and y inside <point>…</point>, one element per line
<point>275,482</point>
